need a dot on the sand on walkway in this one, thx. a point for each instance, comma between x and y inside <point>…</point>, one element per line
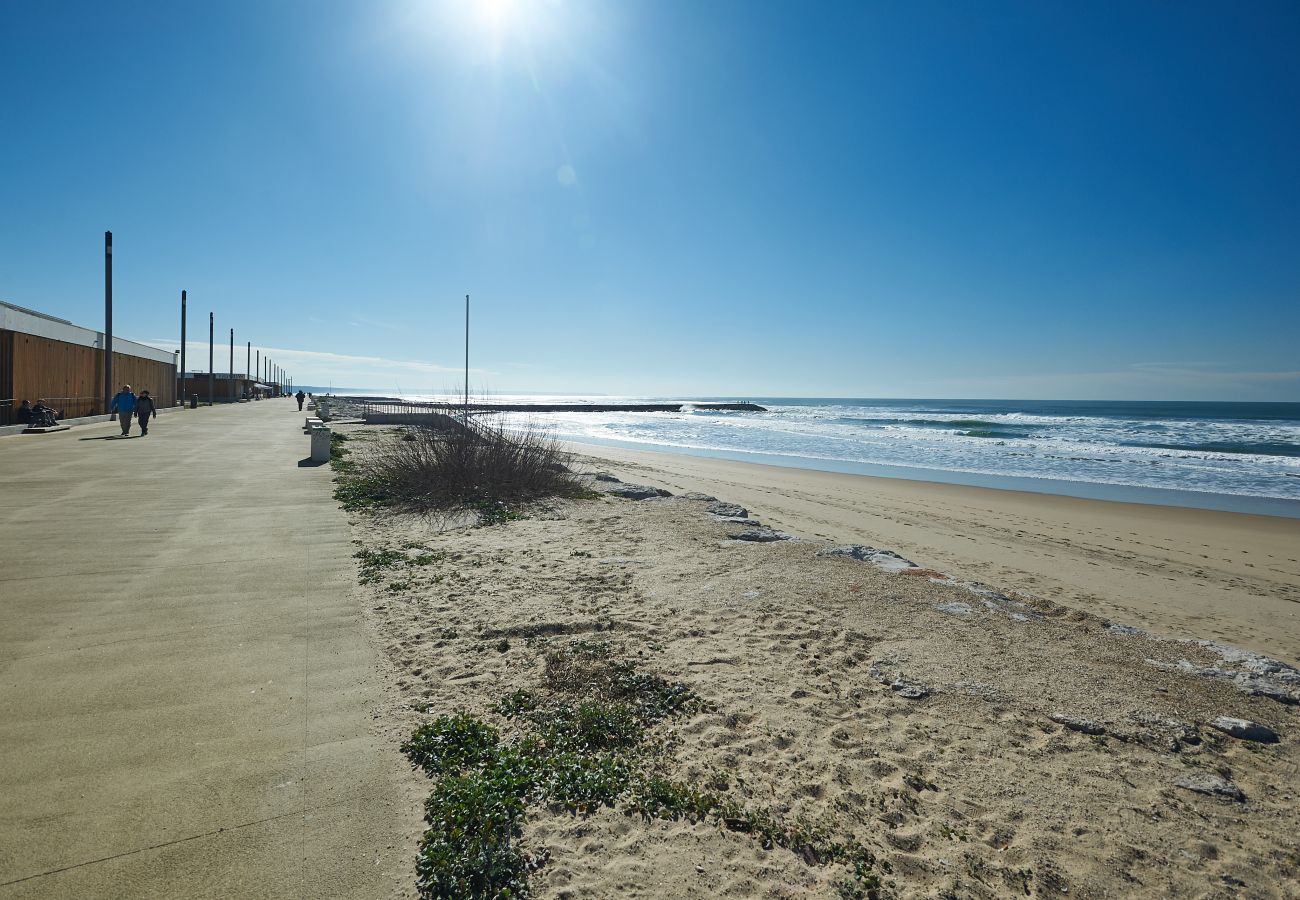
<point>185,685</point>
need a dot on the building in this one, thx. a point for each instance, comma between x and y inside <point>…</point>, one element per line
<point>226,387</point>
<point>50,359</point>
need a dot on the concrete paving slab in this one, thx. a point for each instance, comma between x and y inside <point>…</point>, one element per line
<point>186,688</point>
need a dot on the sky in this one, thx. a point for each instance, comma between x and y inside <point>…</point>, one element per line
<point>654,198</point>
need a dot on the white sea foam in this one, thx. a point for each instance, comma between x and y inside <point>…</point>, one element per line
<point>1220,455</point>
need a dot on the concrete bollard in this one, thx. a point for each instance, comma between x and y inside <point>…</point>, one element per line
<point>320,444</point>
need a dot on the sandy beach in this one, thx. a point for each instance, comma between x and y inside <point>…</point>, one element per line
<point>988,720</point>
<point>1178,572</point>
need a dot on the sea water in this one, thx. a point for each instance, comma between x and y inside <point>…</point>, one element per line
<point>1237,456</point>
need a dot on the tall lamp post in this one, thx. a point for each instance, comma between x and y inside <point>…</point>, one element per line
<point>180,390</point>
<point>108,320</point>
<point>466,415</point>
<point>210,359</point>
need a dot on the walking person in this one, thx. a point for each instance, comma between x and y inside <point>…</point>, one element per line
<point>300,396</point>
<point>124,406</point>
<point>144,411</point>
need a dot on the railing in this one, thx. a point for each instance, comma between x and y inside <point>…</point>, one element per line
<point>64,408</point>
<point>396,407</point>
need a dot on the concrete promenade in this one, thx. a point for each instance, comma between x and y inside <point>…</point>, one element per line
<point>186,688</point>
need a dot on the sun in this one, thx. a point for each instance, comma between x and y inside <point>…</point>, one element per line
<point>492,31</point>
<point>495,14</point>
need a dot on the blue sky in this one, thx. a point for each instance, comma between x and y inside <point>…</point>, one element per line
<point>1029,199</point>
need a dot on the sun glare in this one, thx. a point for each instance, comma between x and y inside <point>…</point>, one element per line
<point>493,14</point>
<point>488,29</point>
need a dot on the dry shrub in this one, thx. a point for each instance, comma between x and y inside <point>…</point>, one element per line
<point>479,466</point>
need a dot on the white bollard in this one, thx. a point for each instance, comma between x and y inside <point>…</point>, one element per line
<point>320,444</point>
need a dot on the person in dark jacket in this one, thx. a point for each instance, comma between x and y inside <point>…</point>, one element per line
<point>24,414</point>
<point>124,406</point>
<point>43,416</point>
<point>144,411</point>
<point>300,396</point>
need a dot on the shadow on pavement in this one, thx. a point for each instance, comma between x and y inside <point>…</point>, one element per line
<point>302,463</point>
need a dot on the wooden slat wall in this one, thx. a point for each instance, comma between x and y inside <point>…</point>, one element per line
<point>223,390</point>
<point>6,368</point>
<point>41,367</point>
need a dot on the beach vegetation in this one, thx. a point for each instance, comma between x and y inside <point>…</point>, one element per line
<point>338,453</point>
<point>355,490</point>
<point>477,466</point>
<point>582,740</point>
<point>374,563</point>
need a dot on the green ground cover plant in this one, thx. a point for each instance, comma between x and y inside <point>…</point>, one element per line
<point>583,740</point>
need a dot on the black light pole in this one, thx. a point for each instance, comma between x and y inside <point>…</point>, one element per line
<point>231,386</point>
<point>210,365</point>
<point>248,362</point>
<point>108,320</point>
<point>180,391</point>
<point>467,359</point>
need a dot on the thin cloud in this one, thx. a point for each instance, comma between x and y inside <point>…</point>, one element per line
<point>313,366</point>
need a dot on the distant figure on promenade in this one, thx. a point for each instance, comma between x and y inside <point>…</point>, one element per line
<point>300,396</point>
<point>144,411</point>
<point>124,406</point>
<point>24,414</point>
<point>43,416</point>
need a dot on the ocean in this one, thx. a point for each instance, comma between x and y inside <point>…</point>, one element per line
<point>1235,456</point>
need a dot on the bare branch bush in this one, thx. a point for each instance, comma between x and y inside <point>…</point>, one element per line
<point>477,465</point>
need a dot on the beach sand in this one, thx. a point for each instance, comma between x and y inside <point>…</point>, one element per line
<point>1176,571</point>
<point>981,741</point>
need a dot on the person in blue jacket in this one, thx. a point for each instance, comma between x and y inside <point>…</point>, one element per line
<point>124,406</point>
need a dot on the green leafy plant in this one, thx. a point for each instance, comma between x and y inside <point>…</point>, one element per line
<point>582,742</point>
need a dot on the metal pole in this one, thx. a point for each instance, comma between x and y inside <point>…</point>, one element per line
<point>231,387</point>
<point>467,359</point>
<point>108,320</point>
<point>180,393</point>
<point>259,364</point>
<point>210,365</point>
<point>248,362</point>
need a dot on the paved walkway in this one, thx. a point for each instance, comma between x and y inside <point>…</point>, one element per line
<point>185,684</point>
